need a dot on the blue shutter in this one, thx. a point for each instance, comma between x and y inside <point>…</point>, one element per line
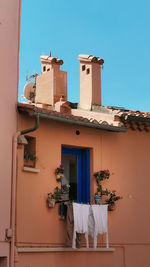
<point>83,161</point>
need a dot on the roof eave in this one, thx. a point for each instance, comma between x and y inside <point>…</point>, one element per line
<point>129,118</point>
<point>73,121</point>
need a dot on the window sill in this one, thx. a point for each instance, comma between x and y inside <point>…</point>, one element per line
<point>63,249</point>
<point>30,169</point>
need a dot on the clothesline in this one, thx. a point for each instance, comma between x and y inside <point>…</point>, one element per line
<point>68,200</point>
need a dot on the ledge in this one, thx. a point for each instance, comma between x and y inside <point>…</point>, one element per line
<point>63,249</point>
<point>30,169</point>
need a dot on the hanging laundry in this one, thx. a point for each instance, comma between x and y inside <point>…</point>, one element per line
<point>70,224</point>
<point>62,211</point>
<point>100,220</point>
<point>91,223</point>
<point>81,214</point>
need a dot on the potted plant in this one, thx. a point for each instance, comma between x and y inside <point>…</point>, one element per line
<point>57,194</point>
<point>29,159</point>
<point>104,196</point>
<point>61,194</point>
<point>50,200</point>
<point>100,193</point>
<point>65,192</point>
<point>59,173</point>
<point>97,198</point>
<point>112,199</point>
<point>101,175</point>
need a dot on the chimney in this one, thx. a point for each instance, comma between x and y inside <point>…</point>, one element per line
<point>51,85</point>
<point>90,81</point>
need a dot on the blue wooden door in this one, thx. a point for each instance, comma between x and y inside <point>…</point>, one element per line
<point>83,172</point>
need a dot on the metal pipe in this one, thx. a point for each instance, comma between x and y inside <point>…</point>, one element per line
<point>13,197</point>
<point>33,128</point>
<point>82,123</point>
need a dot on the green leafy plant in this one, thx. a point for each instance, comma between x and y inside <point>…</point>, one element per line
<point>65,188</point>
<point>28,156</point>
<point>57,193</point>
<point>59,170</point>
<point>112,197</point>
<point>99,177</point>
<point>51,196</point>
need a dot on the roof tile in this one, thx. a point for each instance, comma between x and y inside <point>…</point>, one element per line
<point>42,110</point>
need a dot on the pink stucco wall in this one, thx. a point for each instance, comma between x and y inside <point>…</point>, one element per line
<point>9,57</point>
<point>126,155</point>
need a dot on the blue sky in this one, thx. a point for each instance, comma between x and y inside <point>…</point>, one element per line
<point>117,31</point>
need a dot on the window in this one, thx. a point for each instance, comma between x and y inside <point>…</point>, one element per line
<point>44,68</point>
<point>88,71</point>
<point>30,152</point>
<point>83,67</point>
<point>77,173</point>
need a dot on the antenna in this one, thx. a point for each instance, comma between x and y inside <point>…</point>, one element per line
<point>32,77</point>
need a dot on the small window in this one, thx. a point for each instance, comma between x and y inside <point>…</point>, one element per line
<point>88,71</point>
<point>44,68</point>
<point>83,67</point>
<point>48,69</point>
<point>30,152</point>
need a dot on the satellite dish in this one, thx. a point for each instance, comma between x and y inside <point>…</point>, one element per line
<point>29,91</point>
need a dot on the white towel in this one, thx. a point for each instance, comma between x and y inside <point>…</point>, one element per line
<point>81,213</point>
<point>91,223</point>
<point>100,219</point>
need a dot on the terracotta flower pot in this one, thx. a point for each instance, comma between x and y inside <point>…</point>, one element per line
<point>29,163</point>
<point>111,207</point>
<point>51,203</point>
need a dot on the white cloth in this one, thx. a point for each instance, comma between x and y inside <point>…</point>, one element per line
<point>100,219</point>
<point>91,223</point>
<point>80,213</point>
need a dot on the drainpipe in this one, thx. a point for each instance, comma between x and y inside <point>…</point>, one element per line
<point>13,190</point>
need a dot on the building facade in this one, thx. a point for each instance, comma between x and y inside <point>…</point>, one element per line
<point>9,71</point>
<point>86,137</point>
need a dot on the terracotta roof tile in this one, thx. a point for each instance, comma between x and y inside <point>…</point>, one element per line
<point>90,58</point>
<point>135,113</point>
<point>31,108</point>
<point>105,122</point>
<point>51,60</point>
